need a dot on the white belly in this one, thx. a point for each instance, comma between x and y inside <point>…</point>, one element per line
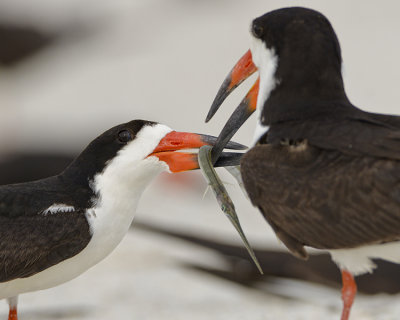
<point>358,260</point>
<point>100,246</point>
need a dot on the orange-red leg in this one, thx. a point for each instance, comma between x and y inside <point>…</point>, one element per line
<point>12,303</point>
<point>349,291</point>
<point>12,315</point>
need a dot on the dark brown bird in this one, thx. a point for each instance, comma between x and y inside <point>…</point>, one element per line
<point>324,173</point>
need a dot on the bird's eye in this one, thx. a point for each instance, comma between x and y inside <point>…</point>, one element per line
<point>124,136</point>
<point>257,31</point>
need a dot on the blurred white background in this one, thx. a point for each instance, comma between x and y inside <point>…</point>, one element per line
<point>109,62</point>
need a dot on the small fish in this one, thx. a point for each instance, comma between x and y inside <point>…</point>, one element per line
<point>223,198</point>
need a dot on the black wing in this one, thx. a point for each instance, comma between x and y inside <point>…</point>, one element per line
<point>324,198</point>
<point>30,240</point>
<point>357,134</point>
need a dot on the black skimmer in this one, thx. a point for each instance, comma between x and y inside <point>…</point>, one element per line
<point>324,173</point>
<point>54,229</point>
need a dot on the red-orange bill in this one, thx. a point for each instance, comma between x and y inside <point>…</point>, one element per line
<point>236,120</point>
<point>240,72</point>
<point>243,69</point>
<point>186,140</point>
<point>184,161</point>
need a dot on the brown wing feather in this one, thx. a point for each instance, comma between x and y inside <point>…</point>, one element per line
<point>324,199</point>
<point>362,136</point>
<point>31,244</point>
<point>31,241</point>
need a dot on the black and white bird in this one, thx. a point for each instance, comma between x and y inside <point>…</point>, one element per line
<point>52,230</point>
<point>324,173</point>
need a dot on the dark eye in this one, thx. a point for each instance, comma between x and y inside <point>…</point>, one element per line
<point>124,136</point>
<point>257,31</point>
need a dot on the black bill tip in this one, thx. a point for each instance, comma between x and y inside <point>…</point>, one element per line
<point>211,140</point>
<point>223,92</point>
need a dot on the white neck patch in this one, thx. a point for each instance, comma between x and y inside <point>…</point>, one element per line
<point>120,186</point>
<point>266,61</point>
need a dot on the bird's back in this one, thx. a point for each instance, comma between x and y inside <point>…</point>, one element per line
<point>329,184</point>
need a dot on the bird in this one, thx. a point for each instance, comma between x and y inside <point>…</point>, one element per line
<point>323,172</point>
<point>54,229</point>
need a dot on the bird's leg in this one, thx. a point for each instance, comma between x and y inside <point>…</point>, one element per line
<point>12,315</point>
<point>12,302</point>
<point>349,291</point>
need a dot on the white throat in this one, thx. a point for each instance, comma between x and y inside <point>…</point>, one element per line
<point>121,184</point>
<point>266,61</point>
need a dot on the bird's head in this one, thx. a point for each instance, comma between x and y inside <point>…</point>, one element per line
<point>297,56</point>
<point>136,151</point>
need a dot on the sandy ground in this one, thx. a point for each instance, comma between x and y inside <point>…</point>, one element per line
<point>164,61</point>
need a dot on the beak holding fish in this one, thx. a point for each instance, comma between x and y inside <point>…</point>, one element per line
<point>208,155</point>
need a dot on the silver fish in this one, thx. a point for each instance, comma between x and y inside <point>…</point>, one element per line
<point>223,198</point>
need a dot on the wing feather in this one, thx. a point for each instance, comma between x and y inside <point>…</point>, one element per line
<point>31,241</point>
<point>325,198</point>
<point>31,244</point>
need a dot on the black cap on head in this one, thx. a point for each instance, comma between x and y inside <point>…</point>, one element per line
<point>102,149</point>
<point>309,62</point>
<point>296,27</point>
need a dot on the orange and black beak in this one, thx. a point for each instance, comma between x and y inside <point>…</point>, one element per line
<point>184,161</point>
<point>243,69</point>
